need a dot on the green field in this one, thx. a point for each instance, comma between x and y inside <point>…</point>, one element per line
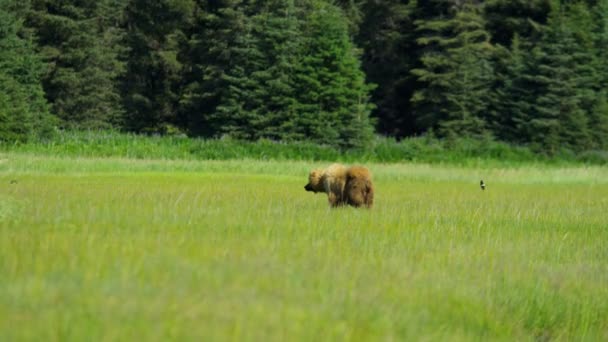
<point>127,250</point>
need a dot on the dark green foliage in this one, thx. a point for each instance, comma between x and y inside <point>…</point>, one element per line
<point>23,109</point>
<point>277,25</point>
<point>524,72</point>
<point>456,72</point>
<point>516,95</point>
<point>81,44</point>
<point>509,18</point>
<point>598,119</point>
<point>552,85</point>
<point>600,41</point>
<point>154,32</point>
<point>245,88</point>
<point>278,71</point>
<point>331,93</point>
<point>387,38</point>
<point>225,48</point>
<point>236,61</point>
<point>559,117</point>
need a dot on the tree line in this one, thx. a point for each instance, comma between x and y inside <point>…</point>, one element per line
<point>332,72</point>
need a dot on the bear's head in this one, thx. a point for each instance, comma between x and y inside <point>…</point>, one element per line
<point>314,181</point>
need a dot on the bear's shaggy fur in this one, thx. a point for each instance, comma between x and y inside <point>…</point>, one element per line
<point>343,185</point>
<point>359,189</point>
<point>331,181</point>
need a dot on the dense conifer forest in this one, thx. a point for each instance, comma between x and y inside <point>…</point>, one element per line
<point>526,72</point>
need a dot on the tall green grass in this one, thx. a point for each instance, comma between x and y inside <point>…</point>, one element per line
<point>382,150</point>
<point>119,249</point>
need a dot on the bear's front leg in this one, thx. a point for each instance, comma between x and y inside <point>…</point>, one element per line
<point>334,201</point>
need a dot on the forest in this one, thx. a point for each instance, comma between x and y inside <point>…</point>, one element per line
<point>337,73</point>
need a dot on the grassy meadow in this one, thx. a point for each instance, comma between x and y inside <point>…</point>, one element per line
<point>123,250</point>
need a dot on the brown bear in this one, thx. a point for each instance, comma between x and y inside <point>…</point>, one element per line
<point>331,181</point>
<point>351,186</point>
<point>359,189</point>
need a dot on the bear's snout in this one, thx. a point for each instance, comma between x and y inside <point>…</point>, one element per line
<point>308,187</point>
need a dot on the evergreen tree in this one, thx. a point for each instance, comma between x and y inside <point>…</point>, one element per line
<point>559,119</point>
<point>354,12</point>
<point>153,79</point>
<point>509,18</point>
<point>600,42</point>
<point>598,121</point>
<point>530,72</point>
<point>23,109</point>
<point>238,108</point>
<point>456,73</point>
<point>220,53</point>
<point>271,69</point>
<point>518,93</point>
<point>580,21</point>
<point>598,118</point>
<point>212,53</point>
<point>80,42</point>
<point>387,38</point>
<point>277,27</point>
<point>332,96</point>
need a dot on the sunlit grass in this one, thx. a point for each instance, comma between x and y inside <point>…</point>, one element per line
<point>118,249</point>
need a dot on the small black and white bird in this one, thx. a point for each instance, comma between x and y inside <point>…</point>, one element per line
<point>482,185</point>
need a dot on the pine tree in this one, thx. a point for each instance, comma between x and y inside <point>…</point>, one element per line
<point>598,121</point>
<point>388,41</point>
<point>80,42</point>
<point>353,12</point>
<point>153,79</point>
<point>216,59</point>
<point>277,27</point>
<point>23,110</point>
<point>560,119</point>
<point>332,96</point>
<point>457,74</point>
<point>598,118</point>
<point>580,21</point>
<point>600,42</point>
<point>238,108</point>
<point>518,93</point>
<point>509,18</point>
<point>264,70</point>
